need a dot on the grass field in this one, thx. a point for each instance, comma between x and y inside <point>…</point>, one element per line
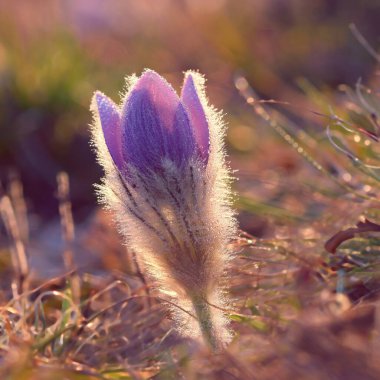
<point>298,84</point>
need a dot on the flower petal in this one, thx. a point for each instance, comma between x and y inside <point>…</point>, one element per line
<point>198,121</point>
<point>110,120</point>
<point>155,125</point>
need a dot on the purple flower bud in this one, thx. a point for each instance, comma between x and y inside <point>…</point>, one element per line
<point>179,220</point>
<point>155,124</point>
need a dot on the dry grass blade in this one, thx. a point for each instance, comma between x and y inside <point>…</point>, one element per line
<point>16,194</point>
<point>68,231</point>
<point>19,257</point>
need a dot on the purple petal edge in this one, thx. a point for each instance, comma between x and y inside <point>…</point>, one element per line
<point>110,121</point>
<point>198,121</point>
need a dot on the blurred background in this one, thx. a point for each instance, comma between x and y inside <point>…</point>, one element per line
<point>55,54</point>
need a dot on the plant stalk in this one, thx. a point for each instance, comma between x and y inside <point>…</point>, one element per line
<point>204,316</point>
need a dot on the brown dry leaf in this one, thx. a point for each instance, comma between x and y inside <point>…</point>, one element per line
<point>336,240</point>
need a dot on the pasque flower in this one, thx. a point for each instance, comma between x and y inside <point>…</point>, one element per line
<point>167,183</point>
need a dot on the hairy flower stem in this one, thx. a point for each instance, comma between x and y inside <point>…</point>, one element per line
<point>203,313</point>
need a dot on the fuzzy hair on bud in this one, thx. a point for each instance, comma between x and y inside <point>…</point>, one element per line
<point>167,183</point>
